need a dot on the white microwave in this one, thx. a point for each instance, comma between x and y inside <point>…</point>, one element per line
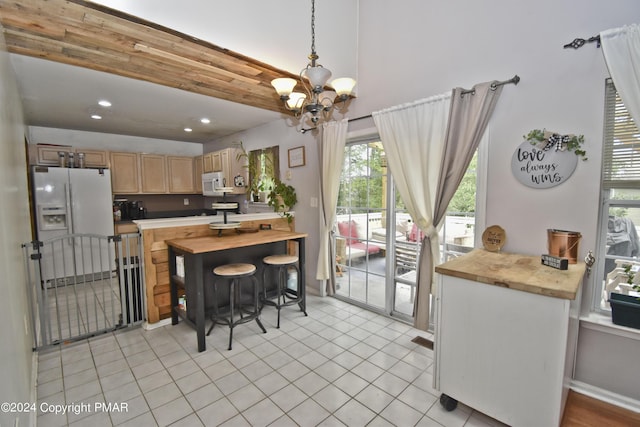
<point>211,181</point>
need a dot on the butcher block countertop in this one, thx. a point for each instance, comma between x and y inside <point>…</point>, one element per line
<point>514,271</point>
<point>198,245</point>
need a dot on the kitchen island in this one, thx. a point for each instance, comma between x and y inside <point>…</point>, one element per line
<point>201,254</point>
<point>506,334</point>
<point>155,254</point>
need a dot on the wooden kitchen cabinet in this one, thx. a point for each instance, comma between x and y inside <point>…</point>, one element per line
<point>232,169</point>
<point>94,158</point>
<point>125,177</point>
<point>216,161</point>
<point>181,174</point>
<point>207,163</point>
<point>153,173</point>
<point>48,155</point>
<point>198,170</point>
<point>212,162</point>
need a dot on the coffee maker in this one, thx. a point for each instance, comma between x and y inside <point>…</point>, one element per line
<point>136,210</point>
<point>129,210</point>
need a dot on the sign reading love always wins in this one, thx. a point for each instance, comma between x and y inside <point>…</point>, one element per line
<point>546,159</point>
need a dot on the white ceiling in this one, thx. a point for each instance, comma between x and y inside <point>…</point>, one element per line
<point>63,96</point>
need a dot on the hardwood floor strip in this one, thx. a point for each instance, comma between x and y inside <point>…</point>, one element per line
<point>585,411</point>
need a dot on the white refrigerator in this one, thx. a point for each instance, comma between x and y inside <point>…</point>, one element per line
<point>70,202</point>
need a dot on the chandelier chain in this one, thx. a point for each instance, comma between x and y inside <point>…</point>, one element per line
<point>313,27</point>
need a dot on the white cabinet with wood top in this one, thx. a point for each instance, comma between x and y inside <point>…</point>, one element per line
<point>506,334</point>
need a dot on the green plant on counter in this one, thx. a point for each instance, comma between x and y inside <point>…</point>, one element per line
<point>282,198</point>
<point>260,170</point>
<point>544,139</point>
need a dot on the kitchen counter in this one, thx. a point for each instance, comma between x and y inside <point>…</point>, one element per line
<point>198,261</point>
<point>145,224</point>
<point>155,233</point>
<point>515,271</point>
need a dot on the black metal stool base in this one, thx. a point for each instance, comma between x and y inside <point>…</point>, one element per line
<point>284,296</point>
<point>248,308</point>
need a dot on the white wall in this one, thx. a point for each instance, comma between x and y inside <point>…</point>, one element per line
<point>112,142</point>
<point>17,340</point>
<point>412,49</point>
<point>305,179</point>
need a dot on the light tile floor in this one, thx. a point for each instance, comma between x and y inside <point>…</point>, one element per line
<point>341,365</point>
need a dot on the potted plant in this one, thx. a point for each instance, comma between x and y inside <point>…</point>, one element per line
<point>259,180</point>
<point>282,198</point>
<point>625,309</point>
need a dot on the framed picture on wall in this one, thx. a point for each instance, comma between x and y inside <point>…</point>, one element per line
<point>296,157</point>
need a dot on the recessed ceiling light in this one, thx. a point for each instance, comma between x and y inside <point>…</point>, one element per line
<point>104,103</point>
<point>188,129</point>
<point>205,120</point>
<point>96,117</point>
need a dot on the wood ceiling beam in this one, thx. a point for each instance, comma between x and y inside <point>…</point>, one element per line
<point>88,35</point>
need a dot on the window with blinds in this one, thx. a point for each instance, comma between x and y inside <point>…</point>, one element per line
<point>621,157</point>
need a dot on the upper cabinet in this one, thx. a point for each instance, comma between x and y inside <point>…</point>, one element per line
<point>49,155</point>
<point>198,170</point>
<point>227,162</point>
<point>212,162</point>
<point>181,174</point>
<point>132,173</point>
<point>153,173</point>
<point>125,178</point>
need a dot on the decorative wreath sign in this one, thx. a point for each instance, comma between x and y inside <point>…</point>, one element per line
<point>546,159</point>
<point>546,140</point>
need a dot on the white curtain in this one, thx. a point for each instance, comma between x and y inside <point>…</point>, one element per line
<point>621,49</point>
<point>413,138</point>
<point>334,136</point>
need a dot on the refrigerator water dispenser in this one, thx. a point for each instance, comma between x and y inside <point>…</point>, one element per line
<point>53,217</point>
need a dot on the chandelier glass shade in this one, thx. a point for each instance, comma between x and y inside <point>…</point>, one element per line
<point>316,100</point>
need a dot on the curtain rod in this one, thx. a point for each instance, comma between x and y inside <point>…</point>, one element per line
<point>515,80</point>
<point>578,43</point>
<point>360,118</point>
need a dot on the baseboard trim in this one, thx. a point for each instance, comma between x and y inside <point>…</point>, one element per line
<point>159,324</point>
<point>606,396</point>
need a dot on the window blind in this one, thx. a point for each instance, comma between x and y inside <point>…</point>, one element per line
<point>621,156</point>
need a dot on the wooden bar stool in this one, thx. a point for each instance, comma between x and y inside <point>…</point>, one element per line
<point>284,295</point>
<point>245,304</point>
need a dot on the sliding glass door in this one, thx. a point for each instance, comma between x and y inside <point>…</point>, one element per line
<point>370,220</point>
<point>377,242</point>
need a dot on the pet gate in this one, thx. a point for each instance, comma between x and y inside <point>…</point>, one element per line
<point>81,285</point>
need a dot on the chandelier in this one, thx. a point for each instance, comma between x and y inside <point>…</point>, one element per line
<point>317,101</point>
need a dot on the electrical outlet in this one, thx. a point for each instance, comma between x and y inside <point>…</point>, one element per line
<point>314,202</point>
<point>186,202</point>
<point>288,175</point>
